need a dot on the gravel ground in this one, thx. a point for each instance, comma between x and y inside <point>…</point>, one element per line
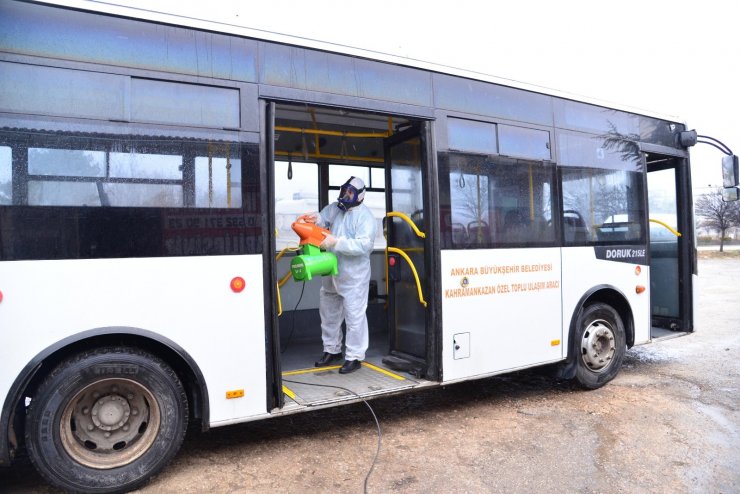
<point>668,423</point>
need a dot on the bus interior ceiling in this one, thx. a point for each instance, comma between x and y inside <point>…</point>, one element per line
<point>316,150</point>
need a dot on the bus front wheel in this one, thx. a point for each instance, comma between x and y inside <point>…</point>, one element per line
<point>106,420</point>
<point>600,345</point>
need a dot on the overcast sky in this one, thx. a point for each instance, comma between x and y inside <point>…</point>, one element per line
<point>676,57</point>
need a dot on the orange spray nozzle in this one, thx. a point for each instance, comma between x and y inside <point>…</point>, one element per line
<point>310,233</point>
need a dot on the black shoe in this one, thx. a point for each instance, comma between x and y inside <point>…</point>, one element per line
<point>350,366</point>
<point>328,359</point>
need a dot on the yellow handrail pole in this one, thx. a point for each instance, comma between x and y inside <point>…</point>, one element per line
<point>386,272</point>
<point>317,144</point>
<point>337,133</point>
<point>672,230</point>
<point>413,270</point>
<point>280,304</point>
<point>396,214</point>
<point>285,279</point>
<point>531,194</point>
<point>287,249</point>
<point>334,156</point>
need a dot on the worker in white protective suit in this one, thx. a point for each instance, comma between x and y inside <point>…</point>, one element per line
<point>344,296</point>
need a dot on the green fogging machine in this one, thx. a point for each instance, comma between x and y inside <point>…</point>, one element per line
<point>312,261</point>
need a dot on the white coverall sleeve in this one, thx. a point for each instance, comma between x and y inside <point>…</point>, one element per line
<point>322,219</point>
<point>362,243</point>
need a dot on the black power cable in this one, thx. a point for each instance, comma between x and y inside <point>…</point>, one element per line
<point>292,324</point>
<point>375,417</point>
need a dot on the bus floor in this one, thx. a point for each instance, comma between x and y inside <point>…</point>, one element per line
<point>306,385</point>
<point>657,333</point>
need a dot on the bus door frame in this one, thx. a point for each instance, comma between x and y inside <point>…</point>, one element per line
<point>687,257</point>
<point>431,224</point>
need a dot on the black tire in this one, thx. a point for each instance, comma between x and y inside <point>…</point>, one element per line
<point>600,345</point>
<point>106,420</point>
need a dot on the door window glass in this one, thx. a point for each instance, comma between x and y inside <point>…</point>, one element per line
<point>664,255</point>
<point>6,182</point>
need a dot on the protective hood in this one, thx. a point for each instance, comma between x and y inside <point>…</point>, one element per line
<point>351,194</point>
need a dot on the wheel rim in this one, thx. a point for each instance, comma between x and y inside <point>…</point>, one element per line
<point>110,423</point>
<point>598,345</point>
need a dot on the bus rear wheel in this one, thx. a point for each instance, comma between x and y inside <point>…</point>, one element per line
<point>600,344</point>
<point>106,420</point>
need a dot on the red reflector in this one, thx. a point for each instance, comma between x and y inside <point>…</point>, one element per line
<point>238,284</point>
<point>1,296</point>
<point>392,261</point>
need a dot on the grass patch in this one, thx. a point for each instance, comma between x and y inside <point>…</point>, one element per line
<point>716,254</point>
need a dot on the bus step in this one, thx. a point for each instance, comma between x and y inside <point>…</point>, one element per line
<point>402,365</point>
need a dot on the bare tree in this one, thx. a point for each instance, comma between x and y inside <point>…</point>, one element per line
<point>718,214</point>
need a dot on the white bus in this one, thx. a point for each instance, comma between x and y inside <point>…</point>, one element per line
<point>150,168</point>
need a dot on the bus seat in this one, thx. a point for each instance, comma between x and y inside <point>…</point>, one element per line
<point>516,225</point>
<point>574,228</point>
<point>459,234</point>
<point>479,232</point>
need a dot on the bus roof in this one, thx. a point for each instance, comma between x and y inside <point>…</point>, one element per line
<point>203,22</point>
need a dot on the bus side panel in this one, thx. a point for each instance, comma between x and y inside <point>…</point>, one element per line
<point>186,299</point>
<point>582,271</point>
<point>501,310</point>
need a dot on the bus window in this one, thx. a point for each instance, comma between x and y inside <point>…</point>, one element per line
<point>527,143</point>
<point>218,182</point>
<point>6,191</point>
<point>470,135</point>
<point>293,197</point>
<point>377,177</point>
<point>602,206</point>
<point>374,179</point>
<point>66,170</point>
<point>338,175</point>
<point>498,201</point>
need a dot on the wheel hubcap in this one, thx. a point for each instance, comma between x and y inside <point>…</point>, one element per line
<point>598,345</point>
<point>110,423</point>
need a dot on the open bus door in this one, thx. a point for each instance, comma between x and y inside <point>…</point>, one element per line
<point>410,320</point>
<point>672,255</point>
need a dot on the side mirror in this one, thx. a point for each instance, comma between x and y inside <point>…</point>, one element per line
<point>730,194</point>
<point>730,171</point>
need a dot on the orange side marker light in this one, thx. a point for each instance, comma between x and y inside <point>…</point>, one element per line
<point>238,284</point>
<point>639,289</point>
<point>638,270</point>
<point>236,393</point>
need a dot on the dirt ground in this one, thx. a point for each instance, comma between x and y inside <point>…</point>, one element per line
<point>668,423</point>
